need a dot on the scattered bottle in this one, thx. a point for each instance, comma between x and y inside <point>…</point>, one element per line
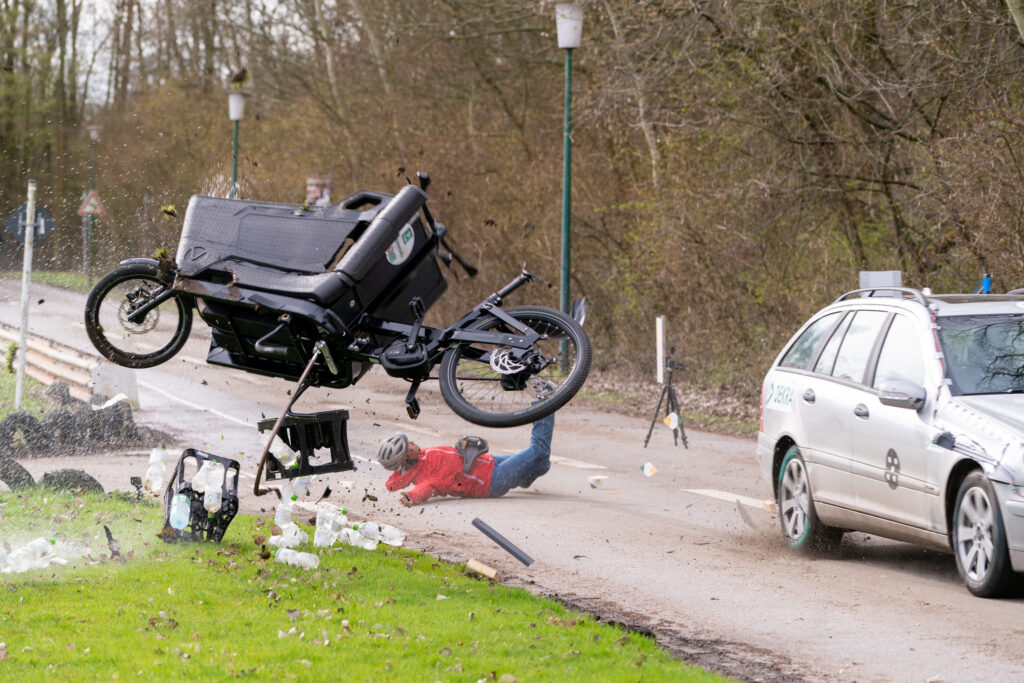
<point>283,514</point>
<point>154,479</point>
<point>330,524</point>
<point>180,511</point>
<point>38,554</point>
<point>391,536</point>
<point>357,537</point>
<point>283,452</point>
<point>297,559</point>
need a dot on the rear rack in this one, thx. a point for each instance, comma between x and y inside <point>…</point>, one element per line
<point>915,294</point>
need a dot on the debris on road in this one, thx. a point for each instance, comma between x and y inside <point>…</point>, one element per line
<point>507,545</point>
<point>484,570</point>
<point>770,506</point>
<point>648,469</point>
<point>596,480</point>
<point>742,509</point>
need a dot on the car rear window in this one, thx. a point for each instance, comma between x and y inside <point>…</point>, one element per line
<point>984,353</point>
<point>802,350</point>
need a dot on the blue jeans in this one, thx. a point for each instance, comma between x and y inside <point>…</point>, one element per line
<point>522,468</point>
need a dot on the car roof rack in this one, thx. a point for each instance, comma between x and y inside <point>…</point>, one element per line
<point>915,294</point>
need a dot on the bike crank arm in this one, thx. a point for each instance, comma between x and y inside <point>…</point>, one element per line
<point>139,314</point>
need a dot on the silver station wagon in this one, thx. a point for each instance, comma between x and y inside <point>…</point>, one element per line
<point>901,413</point>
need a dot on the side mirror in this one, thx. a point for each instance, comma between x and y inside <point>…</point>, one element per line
<point>902,395</point>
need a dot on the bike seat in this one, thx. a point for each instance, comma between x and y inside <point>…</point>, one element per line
<point>323,288</point>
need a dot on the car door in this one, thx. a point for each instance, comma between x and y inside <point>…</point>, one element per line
<point>830,397</point>
<point>791,408</point>
<point>892,448</point>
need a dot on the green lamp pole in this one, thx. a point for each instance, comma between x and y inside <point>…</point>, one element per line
<point>94,135</point>
<point>569,21</point>
<point>236,109</point>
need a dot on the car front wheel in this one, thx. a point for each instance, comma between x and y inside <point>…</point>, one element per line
<point>799,520</point>
<point>979,539</point>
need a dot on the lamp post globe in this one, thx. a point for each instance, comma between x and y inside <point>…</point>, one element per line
<point>236,110</point>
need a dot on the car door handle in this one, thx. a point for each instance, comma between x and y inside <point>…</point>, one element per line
<point>861,410</point>
<point>809,396</point>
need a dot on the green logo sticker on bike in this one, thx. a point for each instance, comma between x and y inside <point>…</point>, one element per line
<point>400,249</point>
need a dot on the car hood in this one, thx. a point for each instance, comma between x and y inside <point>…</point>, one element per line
<point>1006,409</point>
<point>988,428</point>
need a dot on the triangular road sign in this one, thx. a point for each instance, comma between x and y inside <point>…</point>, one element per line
<point>91,206</point>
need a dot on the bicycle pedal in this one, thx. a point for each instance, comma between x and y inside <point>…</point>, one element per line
<point>413,408</point>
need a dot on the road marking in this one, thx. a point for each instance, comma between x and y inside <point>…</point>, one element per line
<point>578,464</point>
<point>196,406</point>
<point>726,496</point>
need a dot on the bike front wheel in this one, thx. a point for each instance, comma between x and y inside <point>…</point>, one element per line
<point>146,343</point>
<point>487,385</point>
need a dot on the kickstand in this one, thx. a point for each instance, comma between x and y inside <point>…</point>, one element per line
<point>300,387</point>
<point>412,406</point>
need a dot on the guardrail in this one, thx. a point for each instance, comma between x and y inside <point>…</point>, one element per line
<point>49,361</point>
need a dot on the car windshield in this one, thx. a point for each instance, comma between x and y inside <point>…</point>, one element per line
<point>985,353</point>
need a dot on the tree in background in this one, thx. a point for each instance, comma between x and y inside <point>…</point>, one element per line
<point>735,164</point>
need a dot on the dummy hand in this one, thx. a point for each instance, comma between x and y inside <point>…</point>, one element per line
<point>406,500</point>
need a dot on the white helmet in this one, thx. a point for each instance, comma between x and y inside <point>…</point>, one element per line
<point>393,451</point>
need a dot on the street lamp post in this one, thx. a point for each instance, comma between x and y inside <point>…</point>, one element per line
<point>569,21</point>
<point>236,109</point>
<point>94,135</point>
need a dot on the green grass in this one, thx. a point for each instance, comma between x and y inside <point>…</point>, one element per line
<point>58,278</point>
<point>213,612</point>
<point>33,399</point>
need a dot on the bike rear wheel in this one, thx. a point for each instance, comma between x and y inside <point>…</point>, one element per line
<point>482,384</point>
<point>150,342</point>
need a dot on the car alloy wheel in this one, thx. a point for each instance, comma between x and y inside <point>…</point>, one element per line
<point>979,539</point>
<point>799,520</point>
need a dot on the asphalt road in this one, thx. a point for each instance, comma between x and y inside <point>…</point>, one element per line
<point>672,553</point>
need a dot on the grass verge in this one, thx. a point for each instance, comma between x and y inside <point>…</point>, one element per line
<point>58,278</point>
<point>212,612</point>
<point>33,400</point>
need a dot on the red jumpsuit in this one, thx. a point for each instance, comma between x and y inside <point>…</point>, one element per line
<point>438,472</point>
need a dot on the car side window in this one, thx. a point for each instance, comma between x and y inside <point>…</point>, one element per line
<point>900,359</point>
<point>828,355</point>
<point>802,350</point>
<point>852,359</point>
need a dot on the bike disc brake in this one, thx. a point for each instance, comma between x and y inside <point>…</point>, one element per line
<point>132,302</point>
<point>503,363</point>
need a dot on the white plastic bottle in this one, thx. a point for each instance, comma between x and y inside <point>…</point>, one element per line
<point>283,515</point>
<point>325,534</point>
<point>154,480</point>
<point>391,536</point>
<point>283,452</point>
<point>297,559</point>
<point>358,538</point>
<point>212,498</point>
<point>180,511</point>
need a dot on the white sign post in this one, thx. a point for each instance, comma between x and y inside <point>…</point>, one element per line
<point>659,346</point>
<point>26,279</point>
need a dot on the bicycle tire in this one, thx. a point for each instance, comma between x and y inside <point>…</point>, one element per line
<point>479,393</point>
<point>135,279</point>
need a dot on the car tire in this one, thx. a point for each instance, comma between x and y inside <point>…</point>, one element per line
<point>797,516</point>
<point>979,539</point>
<point>14,476</point>
<point>71,480</point>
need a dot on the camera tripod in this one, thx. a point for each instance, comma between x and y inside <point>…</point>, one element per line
<point>668,397</point>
